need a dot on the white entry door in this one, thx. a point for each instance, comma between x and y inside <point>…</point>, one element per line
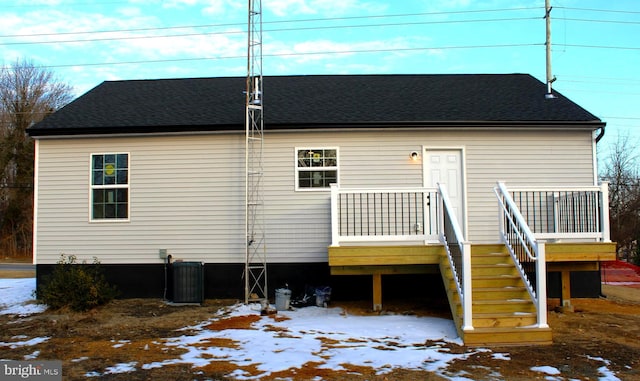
<point>445,167</point>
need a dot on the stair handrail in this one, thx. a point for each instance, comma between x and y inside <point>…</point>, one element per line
<point>451,235</point>
<point>517,236</point>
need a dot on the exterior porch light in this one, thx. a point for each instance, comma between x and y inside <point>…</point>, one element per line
<point>414,155</point>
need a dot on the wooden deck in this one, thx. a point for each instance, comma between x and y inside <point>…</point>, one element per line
<point>581,252</point>
<point>347,256</point>
<point>358,260</point>
<point>500,317</point>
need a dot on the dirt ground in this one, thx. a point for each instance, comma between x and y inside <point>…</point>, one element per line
<point>606,328</point>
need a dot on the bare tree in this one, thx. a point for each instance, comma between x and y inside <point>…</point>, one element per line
<point>27,94</point>
<point>621,170</point>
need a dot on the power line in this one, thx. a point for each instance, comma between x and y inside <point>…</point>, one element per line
<point>602,47</point>
<point>598,10</point>
<point>270,30</point>
<point>600,82</point>
<point>600,91</point>
<point>622,117</point>
<point>326,52</point>
<point>598,21</point>
<point>125,30</point>
<point>293,54</point>
<point>608,79</point>
<point>34,5</point>
<point>243,24</point>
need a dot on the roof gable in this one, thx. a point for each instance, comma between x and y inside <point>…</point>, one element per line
<point>217,104</point>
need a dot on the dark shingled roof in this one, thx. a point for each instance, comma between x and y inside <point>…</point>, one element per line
<point>318,101</point>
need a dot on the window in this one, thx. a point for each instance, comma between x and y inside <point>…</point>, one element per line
<point>316,168</point>
<point>110,186</point>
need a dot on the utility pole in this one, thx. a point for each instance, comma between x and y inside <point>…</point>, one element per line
<point>550,77</point>
<point>255,274</point>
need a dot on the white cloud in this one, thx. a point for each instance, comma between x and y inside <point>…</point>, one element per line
<point>329,56</point>
<point>287,7</point>
<point>178,3</point>
<point>41,2</point>
<point>220,7</point>
<point>320,7</point>
<point>130,11</point>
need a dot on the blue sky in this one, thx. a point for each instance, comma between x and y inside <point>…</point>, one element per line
<point>596,49</point>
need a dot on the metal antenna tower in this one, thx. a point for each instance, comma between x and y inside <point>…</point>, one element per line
<point>255,274</point>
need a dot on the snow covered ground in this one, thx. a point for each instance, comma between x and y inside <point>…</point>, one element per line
<point>301,336</point>
<point>328,336</point>
<point>16,297</point>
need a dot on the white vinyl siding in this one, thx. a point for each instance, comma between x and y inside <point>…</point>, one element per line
<point>185,196</point>
<point>187,192</point>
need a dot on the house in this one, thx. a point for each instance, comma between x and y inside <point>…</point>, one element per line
<point>364,176</point>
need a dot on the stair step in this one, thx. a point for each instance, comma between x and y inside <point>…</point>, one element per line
<point>508,336</point>
<point>495,269</point>
<point>503,305</point>
<point>503,294</point>
<point>513,306</point>
<point>488,259</point>
<point>499,293</point>
<point>488,249</point>
<point>480,281</point>
<point>504,320</point>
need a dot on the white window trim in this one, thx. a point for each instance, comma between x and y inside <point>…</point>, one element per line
<point>92,187</point>
<point>297,169</point>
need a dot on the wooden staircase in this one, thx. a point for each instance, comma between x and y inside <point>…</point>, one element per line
<point>503,312</point>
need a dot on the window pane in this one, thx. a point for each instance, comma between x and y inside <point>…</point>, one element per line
<point>121,196</point>
<point>303,158</point>
<point>330,162</point>
<point>98,196</point>
<point>121,210</point>
<point>98,211</point>
<point>122,161</point>
<point>109,179</point>
<point>121,176</point>
<point>110,159</point>
<point>304,179</point>
<point>110,211</point>
<point>317,179</point>
<point>97,162</point>
<point>97,177</point>
<point>316,159</point>
<point>330,177</point>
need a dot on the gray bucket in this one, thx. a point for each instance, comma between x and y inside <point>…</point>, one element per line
<point>283,298</point>
<point>323,296</point>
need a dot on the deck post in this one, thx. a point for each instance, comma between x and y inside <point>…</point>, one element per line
<point>565,299</point>
<point>334,215</point>
<point>377,292</point>
<point>467,306</point>
<point>541,283</point>
<point>604,212</point>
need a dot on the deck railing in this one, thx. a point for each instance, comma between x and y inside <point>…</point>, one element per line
<point>459,256</point>
<point>566,212</point>
<point>374,215</point>
<point>527,252</point>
